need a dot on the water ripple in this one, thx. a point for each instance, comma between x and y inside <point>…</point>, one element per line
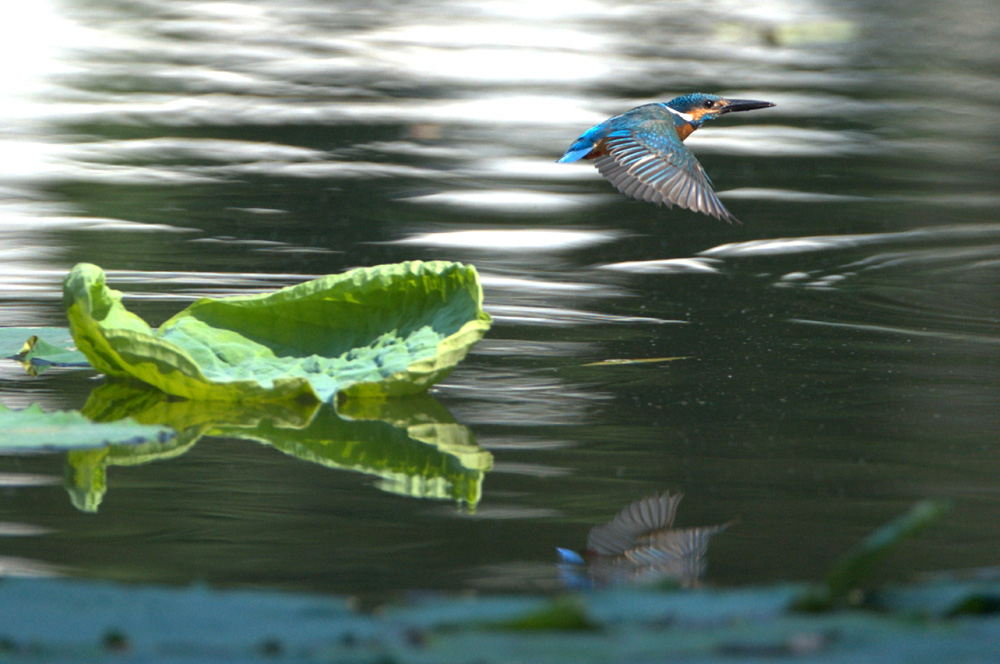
<point>165,149</point>
<point>523,348</point>
<point>773,141</point>
<point>519,399</point>
<point>17,529</point>
<point>527,315</point>
<point>547,288</point>
<point>797,245</point>
<point>511,200</point>
<point>9,480</point>
<point>666,266</point>
<point>14,566</point>
<point>794,245</point>
<point>788,195</point>
<point>907,332</point>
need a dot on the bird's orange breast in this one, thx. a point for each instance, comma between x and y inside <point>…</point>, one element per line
<point>684,130</point>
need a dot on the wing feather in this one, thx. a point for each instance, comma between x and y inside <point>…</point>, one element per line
<point>635,522</point>
<point>649,162</point>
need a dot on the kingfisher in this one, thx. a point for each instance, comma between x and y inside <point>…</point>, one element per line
<point>640,546</point>
<point>642,152</point>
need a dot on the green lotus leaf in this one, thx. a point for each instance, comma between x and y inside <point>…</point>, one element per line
<point>32,429</point>
<point>387,330</point>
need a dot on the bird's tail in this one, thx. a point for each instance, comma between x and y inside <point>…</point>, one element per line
<point>580,149</point>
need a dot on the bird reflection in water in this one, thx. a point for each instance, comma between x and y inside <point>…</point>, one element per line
<point>640,546</point>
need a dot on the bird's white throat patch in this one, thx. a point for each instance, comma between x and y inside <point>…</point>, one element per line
<point>686,116</point>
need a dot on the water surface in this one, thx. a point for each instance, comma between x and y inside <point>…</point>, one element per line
<point>819,367</point>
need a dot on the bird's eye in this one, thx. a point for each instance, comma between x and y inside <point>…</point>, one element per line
<point>709,103</point>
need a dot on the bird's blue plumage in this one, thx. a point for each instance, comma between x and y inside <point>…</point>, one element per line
<point>642,152</point>
<point>585,144</point>
<point>578,150</point>
<point>570,557</point>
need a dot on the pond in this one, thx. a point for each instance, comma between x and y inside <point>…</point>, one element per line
<point>808,373</point>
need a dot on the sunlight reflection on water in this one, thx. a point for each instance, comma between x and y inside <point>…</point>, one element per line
<point>533,202</point>
<point>27,479</point>
<point>522,239</point>
<point>25,567</point>
<point>547,287</point>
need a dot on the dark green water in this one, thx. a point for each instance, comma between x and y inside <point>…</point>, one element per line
<point>841,347</point>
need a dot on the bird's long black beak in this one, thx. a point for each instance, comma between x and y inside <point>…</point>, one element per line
<point>734,105</point>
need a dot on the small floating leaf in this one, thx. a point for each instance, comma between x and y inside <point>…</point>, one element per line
<point>386,330</point>
<point>13,339</point>
<point>32,429</point>
<point>40,346</point>
<point>38,351</point>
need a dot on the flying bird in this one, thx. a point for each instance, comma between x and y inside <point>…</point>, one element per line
<point>642,152</point>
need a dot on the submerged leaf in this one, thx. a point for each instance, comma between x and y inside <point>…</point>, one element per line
<point>855,568</point>
<point>561,614</point>
<point>386,330</point>
<point>977,605</point>
<point>32,429</point>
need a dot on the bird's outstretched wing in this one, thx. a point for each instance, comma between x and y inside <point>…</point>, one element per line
<point>649,162</point>
<point>635,522</point>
